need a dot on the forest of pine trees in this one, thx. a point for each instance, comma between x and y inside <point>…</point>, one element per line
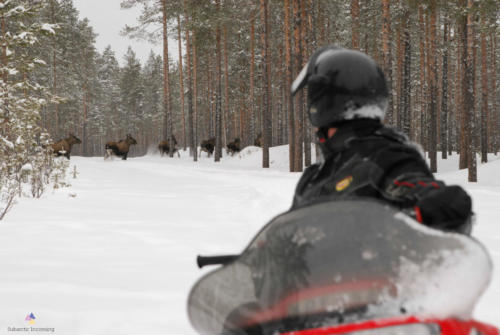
<point>233,76</point>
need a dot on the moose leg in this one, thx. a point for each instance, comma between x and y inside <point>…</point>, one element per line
<point>125,156</point>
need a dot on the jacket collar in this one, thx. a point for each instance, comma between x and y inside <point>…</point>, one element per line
<point>346,132</point>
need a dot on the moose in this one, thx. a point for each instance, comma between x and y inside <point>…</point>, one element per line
<point>119,148</point>
<point>208,146</point>
<point>234,146</point>
<point>164,147</point>
<point>258,141</point>
<point>63,147</point>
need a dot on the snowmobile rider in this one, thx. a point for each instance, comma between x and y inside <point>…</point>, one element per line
<point>347,99</point>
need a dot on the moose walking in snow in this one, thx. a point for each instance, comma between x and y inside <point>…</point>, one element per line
<point>119,148</point>
<point>234,146</point>
<point>258,141</point>
<point>63,147</point>
<point>164,147</point>
<point>208,146</point>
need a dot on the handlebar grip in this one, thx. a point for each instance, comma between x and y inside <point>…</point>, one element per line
<point>214,260</point>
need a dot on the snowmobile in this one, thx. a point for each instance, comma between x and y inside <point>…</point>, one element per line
<point>357,267</point>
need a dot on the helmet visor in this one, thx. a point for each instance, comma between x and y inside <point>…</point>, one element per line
<point>302,78</point>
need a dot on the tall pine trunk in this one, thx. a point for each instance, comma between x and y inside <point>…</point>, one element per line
<point>194,74</point>
<point>305,48</point>
<point>226,90</point>
<point>484,95</point>
<point>191,137</point>
<point>444,99</point>
<point>422,92</point>
<point>407,76</point>
<point>495,131</point>
<point>469,96</point>
<point>289,76</point>
<point>398,111</point>
<point>218,88</point>
<point>355,24</point>
<point>387,55</point>
<point>433,88</point>
<point>252,79</point>
<point>266,110</point>
<point>181,81</point>
<point>299,110</point>
<point>167,121</point>
<point>467,91</point>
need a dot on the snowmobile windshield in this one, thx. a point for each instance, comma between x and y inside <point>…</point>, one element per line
<point>338,262</point>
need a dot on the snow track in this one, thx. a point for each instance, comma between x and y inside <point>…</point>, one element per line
<point>115,253</point>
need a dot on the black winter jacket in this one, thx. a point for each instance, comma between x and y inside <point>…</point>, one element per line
<point>366,159</point>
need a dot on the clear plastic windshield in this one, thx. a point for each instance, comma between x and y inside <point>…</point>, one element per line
<point>337,262</point>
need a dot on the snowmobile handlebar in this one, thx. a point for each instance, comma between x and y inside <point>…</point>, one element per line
<point>214,260</point>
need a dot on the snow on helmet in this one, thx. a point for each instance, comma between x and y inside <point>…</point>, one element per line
<point>342,84</point>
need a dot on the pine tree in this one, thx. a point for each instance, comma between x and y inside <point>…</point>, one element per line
<point>131,94</point>
<point>152,105</point>
<point>23,158</point>
<point>109,73</point>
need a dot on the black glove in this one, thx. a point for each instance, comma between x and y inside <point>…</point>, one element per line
<point>446,208</point>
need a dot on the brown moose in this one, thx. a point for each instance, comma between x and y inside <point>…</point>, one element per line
<point>119,148</point>
<point>234,146</point>
<point>63,147</point>
<point>258,141</point>
<point>208,146</point>
<point>164,147</point>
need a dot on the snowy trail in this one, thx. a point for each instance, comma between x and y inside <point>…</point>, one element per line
<point>115,253</point>
<point>120,254</point>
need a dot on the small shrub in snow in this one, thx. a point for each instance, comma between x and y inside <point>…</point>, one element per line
<point>75,173</point>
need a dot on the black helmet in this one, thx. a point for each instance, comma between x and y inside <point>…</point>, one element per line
<point>342,85</point>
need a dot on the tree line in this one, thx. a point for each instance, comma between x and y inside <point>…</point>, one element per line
<point>439,58</point>
<point>237,60</point>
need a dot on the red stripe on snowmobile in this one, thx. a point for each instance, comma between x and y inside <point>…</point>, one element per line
<point>447,326</point>
<point>418,214</point>
<point>365,291</point>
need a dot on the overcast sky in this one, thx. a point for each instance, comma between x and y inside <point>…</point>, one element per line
<point>108,19</point>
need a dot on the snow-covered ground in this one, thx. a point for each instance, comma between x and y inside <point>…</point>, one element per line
<point>115,252</point>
